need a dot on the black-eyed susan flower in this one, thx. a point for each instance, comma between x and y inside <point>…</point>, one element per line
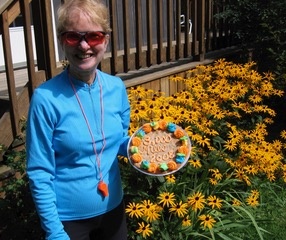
<point>277,145</point>
<point>239,174</point>
<point>167,199</point>
<point>177,78</point>
<point>153,214</point>
<point>147,206</point>
<point>196,163</point>
<point>180,209</point>
<point>216,173</point>
<point>255,98</point>
<point>230,145</point>
<point>144,230</point>
<point>170,178</point>
<point>197,201</point>
<point>134,210</point>
<point>255,193</point>
<point>203,141</point>
<point>186,222</point>
<point>251,169</point>
<point>214,202</point>
<point>213,181</point>
<point>252,201</point>
<point>236,202</point>
<point>207,221</point>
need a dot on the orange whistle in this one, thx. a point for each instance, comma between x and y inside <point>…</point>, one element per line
<point>102,187</point>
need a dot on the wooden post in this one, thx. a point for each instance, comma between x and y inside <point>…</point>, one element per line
<point>126,29</point>
<point>139,42</point>
<point>44,35</point>
<point>159,32</point>
<point>178,29</point>
<point>201,30</point>
<point>28,43</point>
<point>187,50</point>
<point>14,111</point>
<point>114,34</point>
<point>149,33</point>
<point>170,30</point>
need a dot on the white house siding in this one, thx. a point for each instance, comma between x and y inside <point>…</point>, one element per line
<point>18,44</point>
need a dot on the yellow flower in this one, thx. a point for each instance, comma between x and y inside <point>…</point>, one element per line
<point>207,221</point>
<point>213,181</point>
<point>216,174</point>
<point>255,193</point>
<point>147,206</point>
<point>214,202</point>
<point>134,209</point>
<point>236,202</point>
<point>283,134</point>
<point>186,222</point>
<point>167,199</point>
<point>255,98</point>
<point>239,174</point>
<point>153,214</point>
<point>277,145</point>
<point>171,178</point>
<point>146,231</point>
<point>177,78</point>
<point>203,141</point>
<point>180,209</point>
<point>250,169</point>
<point>139,92</point>
<point>252,201</point>
<point>230,145</point>
<point>219,114</point>
<point>195,163</point>
<point>138,114</point>
<point>196,201</point>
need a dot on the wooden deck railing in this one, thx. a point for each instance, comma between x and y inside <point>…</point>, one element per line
<point>144,33</point>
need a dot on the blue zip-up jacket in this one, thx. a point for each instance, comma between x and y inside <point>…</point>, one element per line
<point>61,163</point>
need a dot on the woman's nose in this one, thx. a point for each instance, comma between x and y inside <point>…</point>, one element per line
<point>84,44</point>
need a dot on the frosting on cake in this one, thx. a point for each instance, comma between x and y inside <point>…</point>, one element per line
<point>159,147</point>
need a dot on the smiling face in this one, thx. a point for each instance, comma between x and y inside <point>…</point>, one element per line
<point>83,58</point>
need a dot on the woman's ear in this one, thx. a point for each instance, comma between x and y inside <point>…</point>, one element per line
<point>107,37</point>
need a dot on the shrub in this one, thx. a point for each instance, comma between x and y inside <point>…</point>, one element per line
<point>260,25</point>
<point>218,193</point>
<point>19,219</point>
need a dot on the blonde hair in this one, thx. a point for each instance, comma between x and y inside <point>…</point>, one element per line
<point>96,10</point>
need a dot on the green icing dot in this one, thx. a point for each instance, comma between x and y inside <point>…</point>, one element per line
<point>163,167</point>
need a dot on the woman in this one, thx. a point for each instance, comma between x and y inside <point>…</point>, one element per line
<point>77,125</point>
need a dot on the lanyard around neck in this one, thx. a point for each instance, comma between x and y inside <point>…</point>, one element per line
<point>98,156</point>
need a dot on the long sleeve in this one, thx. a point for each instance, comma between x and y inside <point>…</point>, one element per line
<point>41,167</point>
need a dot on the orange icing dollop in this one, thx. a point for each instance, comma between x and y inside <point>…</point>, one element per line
<point>152,168</point>
<point>147,128</point>
<point>136,157</point>
<point>136,141</point>
<point>162,125</point>
<point>172,165</point>
<point>179,133</point>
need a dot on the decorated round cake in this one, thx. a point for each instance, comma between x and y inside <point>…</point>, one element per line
<point>159,148</point>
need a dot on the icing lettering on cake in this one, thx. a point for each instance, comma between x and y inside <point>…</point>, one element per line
<point>159,147</point>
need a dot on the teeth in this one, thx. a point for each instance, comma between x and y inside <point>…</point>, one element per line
<point>83,56</point>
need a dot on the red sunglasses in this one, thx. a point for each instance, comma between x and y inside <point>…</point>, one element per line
<point>72,38</point>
